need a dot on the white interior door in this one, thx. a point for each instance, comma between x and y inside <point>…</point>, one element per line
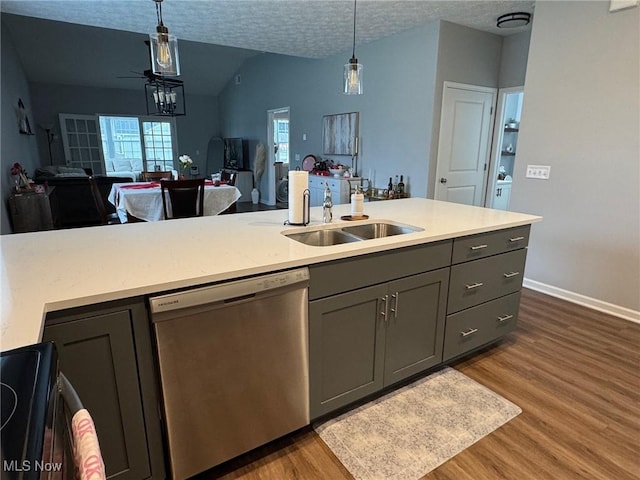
<point>464,143</point>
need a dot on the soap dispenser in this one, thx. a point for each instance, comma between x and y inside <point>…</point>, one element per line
<point>327,204</point>
<point>357,203</point>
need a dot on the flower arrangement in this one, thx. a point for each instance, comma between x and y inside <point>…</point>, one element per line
<point>20,176</point>
<point>185,161</point>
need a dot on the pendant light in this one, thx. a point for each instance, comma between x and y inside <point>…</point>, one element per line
<point>164,48</point>
<point>353,69</point>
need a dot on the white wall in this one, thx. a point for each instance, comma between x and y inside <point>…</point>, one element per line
<point>581,117</point>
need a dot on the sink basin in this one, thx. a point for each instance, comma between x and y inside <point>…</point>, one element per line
<point>379,230</point>
<point>355,233</point>
<point>323,238</point>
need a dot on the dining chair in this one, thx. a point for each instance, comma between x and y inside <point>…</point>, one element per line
<point>233,207</point>
<point>99,194</point>
<point>186,197</point>
<point>156,176</point>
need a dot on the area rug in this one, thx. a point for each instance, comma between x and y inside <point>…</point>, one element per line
<point>409,432</point>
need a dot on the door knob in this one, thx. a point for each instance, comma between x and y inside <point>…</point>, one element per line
<point>443,180</point>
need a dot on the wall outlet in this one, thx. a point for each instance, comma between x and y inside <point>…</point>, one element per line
<point>194,170</point>
<point>297,157</point>
<point>538,171</point>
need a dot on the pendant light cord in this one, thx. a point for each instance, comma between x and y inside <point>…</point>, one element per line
<point>354,29</point>
<point>159,11</point>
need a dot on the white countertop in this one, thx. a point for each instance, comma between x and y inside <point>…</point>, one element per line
<point>54,270</point>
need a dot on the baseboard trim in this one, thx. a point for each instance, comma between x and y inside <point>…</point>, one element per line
<point>605,307</point>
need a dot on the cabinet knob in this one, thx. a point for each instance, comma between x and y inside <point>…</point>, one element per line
<point>443,180</point>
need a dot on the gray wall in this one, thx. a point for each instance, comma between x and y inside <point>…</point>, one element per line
<point>513,64</point>
<point>194,129</point>
<point>396,109</point>
<point>15,147</point>
<point>580,116</point>
<point>467,56</point>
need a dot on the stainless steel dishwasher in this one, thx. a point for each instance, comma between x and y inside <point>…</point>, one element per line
<point>233,364</point>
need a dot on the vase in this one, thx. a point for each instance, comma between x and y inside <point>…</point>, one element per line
<point>255,196</point>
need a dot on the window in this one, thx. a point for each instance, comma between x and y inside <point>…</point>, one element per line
<point>123,143</point>
<point>148,145</point>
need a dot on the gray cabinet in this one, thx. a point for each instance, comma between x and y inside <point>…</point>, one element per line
<point>484,289</point>
<point>106,353</point>
<point>370,337</point>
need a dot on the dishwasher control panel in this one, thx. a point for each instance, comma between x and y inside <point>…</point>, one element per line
<point>228,291</point>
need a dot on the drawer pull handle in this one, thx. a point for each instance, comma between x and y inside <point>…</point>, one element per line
<point>383,311</point>
<point>473,285</point>
<point>516,239</point>
<point>504,318</point>
<point>511,274</point>
<point>471,331</point>
<point>479,247</point>
<point>396,298</point>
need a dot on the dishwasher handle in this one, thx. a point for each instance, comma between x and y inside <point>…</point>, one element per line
<point>227,292</point>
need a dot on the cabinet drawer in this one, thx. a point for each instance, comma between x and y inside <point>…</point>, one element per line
<point>476,282</point>
<point>483,245</point>
<point>479,325</point>
<point>341,276</point>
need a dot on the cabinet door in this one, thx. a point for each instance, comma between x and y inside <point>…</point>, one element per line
<point>97,355</point>
<point>346,348</point>
<point>415,324</point>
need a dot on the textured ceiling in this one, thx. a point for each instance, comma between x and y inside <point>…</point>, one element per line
<point>306,28</point>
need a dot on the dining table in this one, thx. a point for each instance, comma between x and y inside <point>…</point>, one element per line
<point>143,200</point>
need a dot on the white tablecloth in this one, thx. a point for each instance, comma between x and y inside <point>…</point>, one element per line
<point>146,203</point>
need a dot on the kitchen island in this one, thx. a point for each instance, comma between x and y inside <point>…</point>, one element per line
<point>448,287</point>
<point>55,270</point>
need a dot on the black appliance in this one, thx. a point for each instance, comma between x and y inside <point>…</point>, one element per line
<point>34,438</point>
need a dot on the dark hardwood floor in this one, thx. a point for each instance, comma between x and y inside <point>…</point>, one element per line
<point>573,371</point>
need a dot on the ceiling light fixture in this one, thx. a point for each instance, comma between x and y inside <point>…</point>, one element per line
<point>353,69</point>
<point>164,48</point>
<point>512,20</point>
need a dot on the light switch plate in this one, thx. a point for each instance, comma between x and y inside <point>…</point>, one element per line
<point>538,171</point>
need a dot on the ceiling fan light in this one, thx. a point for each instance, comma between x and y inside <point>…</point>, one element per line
<point>513,20</point>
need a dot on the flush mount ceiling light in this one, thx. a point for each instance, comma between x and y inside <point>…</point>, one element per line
<point>164,48</point>
<point>353,70</point>
<point>512,20</point>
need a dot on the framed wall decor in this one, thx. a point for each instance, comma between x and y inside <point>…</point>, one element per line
<point>340,134</point>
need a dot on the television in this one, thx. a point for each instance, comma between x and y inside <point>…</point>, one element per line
<point>235,154</point>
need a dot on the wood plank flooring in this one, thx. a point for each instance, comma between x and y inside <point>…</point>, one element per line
<point>573,371</point>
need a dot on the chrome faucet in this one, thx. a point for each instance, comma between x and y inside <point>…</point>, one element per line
<point>327,204</point>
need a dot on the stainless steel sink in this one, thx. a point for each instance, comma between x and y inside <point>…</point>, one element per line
<point>323,238</point>
<point>335,236</point>
<point>379,230</point>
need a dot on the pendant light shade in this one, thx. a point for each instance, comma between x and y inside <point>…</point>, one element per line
<point>353,69</point>
<point>164,48</point>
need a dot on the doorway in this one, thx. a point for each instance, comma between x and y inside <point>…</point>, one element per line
<point>277,153</point>
<point>505,147</point>
<point>464,143</point>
